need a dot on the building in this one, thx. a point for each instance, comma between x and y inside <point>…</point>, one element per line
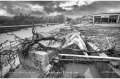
<point>106,18</point>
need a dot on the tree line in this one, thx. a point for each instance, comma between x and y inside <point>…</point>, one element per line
<point>27,19</point>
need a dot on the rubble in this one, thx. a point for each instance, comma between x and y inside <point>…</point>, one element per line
<point>38,53</point>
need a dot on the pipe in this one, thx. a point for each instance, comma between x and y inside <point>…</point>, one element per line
<point>93,57</point>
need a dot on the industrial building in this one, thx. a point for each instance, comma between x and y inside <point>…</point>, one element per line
<point>106,18</point>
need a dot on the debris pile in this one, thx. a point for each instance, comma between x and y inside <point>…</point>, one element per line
<point>40,53</point>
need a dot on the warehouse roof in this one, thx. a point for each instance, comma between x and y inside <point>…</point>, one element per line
<point>107,13</point>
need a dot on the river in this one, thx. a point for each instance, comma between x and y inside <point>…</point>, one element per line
<point>23,33</point>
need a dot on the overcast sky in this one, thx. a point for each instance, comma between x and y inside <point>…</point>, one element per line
<point>52,8</point>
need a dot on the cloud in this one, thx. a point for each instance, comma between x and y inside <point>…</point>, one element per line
<point>35,7</point>
<point>49,8</point>
<point>30,7</point>
<point>95,7</point>
<point>4,13</point>
<point>55,6</point>
<point>70,4</point>
<point>59,9</point>
<point>85,2</point>
<point>54,14</point>
<point>16,7</point>
<point>67,5</point>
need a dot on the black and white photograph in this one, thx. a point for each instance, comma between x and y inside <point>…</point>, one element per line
<point>59,39</point>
